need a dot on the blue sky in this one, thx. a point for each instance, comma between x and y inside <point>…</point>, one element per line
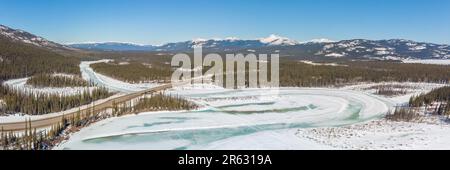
<point>161,21</point>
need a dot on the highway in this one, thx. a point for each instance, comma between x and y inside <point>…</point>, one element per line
<point>98,106</point>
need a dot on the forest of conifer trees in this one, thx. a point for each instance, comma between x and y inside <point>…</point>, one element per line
<point>134,72</point>
<point>32,139</point>
<point>35,103</point>
<point>48,80</point>
<point>154,102</point>
<point>19,60</point>
<point>438,99</point>
<point>435,102</point>
<point>294,73</point>
<point>303,75</point>
<point>436,95</point>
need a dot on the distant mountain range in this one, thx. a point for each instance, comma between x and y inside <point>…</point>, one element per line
<point>394,49</point>
<point>113,46</point>
<point>227,44</point>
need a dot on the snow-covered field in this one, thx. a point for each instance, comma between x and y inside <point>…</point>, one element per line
<point>430,61</point>
<point>431,132</point>
<point>412,89</point>
<point>321,64</point>
<point>381,135</point>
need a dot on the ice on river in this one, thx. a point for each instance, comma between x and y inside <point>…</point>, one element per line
<point>263,120</point>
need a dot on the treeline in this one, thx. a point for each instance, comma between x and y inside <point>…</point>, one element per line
<point>18,60</point>
<point>406,114</point>
<point>160,101</point>
<point>133,72</point>
<point>36,103</point>
<point>292,72</point>
<point>390,90</point>
<point>304,75</point>
<point>435,102</point>
<point>436,95</point>
<point>31,139</point>
<point>154,102</point>
<point>298,74</point>
<point>48,80</point>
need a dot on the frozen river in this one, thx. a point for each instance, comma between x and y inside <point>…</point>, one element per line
<point>234,119</point>
<point>114,85</point>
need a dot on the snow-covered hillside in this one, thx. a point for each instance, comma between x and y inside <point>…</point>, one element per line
<point>395,49</point>
<point>227,44</point>
<point>278,40</point>
<point>26,37</point>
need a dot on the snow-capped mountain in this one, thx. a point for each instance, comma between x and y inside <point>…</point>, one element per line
<point>28,38</point>
<point>278,40</point>
<point>394,49</point>
<point>319,40</point>
<point>227,44</point>
<point>213,45</point>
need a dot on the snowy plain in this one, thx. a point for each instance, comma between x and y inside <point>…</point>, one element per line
<point>430,61</point>
<point>383,135</point>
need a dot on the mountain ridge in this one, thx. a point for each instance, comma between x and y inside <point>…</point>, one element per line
<point>391,49</point>
<point>19,35</point>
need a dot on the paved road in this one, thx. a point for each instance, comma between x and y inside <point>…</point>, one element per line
<point>49,121</point>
